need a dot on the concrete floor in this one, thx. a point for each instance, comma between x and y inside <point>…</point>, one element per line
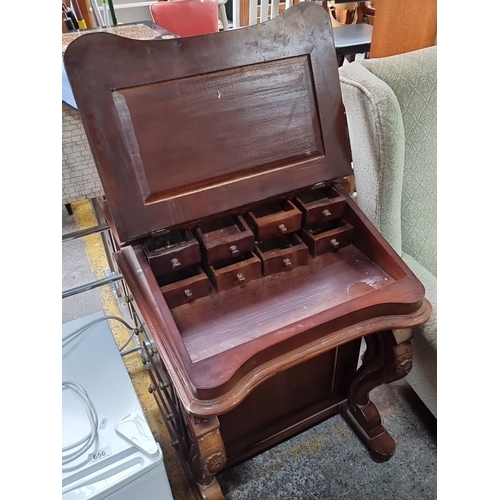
<point>323,463</point>
<point>76,271</point>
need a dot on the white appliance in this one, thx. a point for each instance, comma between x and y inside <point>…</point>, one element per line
<point>125,462</point>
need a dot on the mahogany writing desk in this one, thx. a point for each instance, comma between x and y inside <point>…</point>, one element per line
<point>254,274</point>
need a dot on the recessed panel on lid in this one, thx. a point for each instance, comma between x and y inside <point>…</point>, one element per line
<point>217,129</point>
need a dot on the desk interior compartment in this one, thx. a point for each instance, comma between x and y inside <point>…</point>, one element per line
<point>281,254</point>
<point>320,205</point>
<point>288,303</point>
<point>172,251</point>
<point>224,238</point>
<point>274,219</point>
<point>327,237</point>
<point>185,286</point>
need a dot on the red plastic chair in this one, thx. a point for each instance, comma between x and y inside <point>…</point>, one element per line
<point>186,17</point>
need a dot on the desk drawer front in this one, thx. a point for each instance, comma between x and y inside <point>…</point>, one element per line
<point>274,220</point>
<point>192,284</point>
<point>328,237</point>
<point>225,238</point>
<point>225,275</point>
<point>282,254</point>
<point>172,251</point>
<point>320,205</point>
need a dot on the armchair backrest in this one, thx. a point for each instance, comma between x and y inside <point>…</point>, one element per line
<point>392,115</point>
<point>186,17</point>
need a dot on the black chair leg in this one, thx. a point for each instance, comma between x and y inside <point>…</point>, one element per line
<point>69,208</point>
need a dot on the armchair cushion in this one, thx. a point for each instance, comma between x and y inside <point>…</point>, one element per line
<point>423,375</point>
<point>378,156</point>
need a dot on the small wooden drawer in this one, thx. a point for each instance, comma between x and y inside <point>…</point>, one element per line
<point>327,237</point>
<point>281,254</point>
<point>185,286</point>
<point>320,205</point>
<point>274,219</point>
<point>225,238</point>
<point>236,272</point>
<point>172,251</point>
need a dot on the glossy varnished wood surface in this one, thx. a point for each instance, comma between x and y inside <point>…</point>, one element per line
<point>191,135</point>
<point>214,324</point>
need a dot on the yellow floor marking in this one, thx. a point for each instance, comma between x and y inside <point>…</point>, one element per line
<point>84,218</point>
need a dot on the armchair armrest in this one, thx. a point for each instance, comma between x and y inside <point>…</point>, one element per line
<point>377,141</point>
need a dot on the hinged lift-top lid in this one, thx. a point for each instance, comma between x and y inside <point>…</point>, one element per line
<point>184,129</point>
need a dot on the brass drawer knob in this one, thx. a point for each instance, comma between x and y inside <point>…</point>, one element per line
<point>287,263</point>
<point>335,245</point>
<point>240,278</point>
<point>282,228</point>
<point>234,251</point>
<point>175,263</point>
<point>187,293</point>
<point>326,214</point>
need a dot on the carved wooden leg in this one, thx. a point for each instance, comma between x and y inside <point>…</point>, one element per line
<point>207,455</point>
<point>387,358</point>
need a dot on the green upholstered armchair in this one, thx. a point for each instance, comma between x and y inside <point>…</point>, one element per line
<point>391,113</point>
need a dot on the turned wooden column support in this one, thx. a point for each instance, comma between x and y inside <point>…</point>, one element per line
<point>387,358</point>
<point>207,455</point>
